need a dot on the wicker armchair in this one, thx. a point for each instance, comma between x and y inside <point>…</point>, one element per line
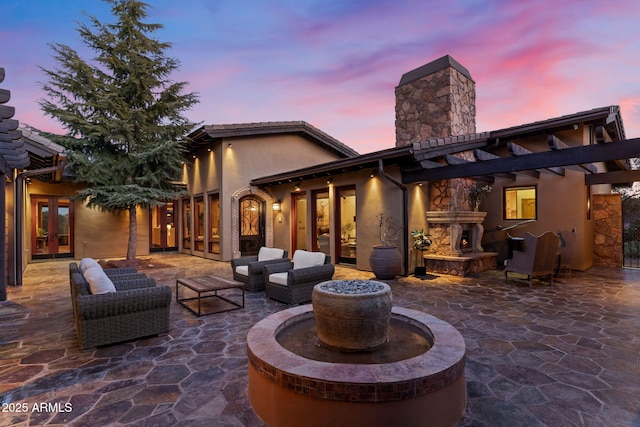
<point>248,270</point>
<point>137,309</point>
<point>295,285</point>
<point>537,259</point>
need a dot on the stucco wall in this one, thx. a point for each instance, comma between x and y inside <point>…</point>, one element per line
<point>97,234</point>
<point>229,169</point>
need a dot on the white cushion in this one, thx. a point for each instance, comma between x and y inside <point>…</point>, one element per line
<point>304,259</point>
<point>86,263</point>
<point>98,281</point>
<point>243,269</point>
<point>279,278</point>
<point>267,254</point>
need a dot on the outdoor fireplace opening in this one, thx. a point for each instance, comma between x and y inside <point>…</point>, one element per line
<point>465,241</point>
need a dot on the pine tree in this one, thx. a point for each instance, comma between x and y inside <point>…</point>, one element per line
<point>122,112</point>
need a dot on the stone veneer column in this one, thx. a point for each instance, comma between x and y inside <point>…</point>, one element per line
<point>607,230</point>
<point>436,100</point>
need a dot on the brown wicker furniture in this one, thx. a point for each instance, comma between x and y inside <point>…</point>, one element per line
<point>208,287</point>
<point>248,270</point>
<point>537,259</point>
<point>292,282</point>
<point>137,309</point>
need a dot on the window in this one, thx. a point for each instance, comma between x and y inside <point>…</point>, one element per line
<point>320,211</point>
<point>520,203</point>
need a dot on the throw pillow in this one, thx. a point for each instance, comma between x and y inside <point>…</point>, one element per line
<point>99,283</point>
<point>304,259</point>
<point>267,254</point>
<point>86,263</point>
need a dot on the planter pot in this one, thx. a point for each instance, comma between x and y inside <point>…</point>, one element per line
<point>352,315</point>
<point>386,262</point>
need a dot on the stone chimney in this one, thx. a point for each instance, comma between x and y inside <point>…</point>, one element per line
<point>437,100</point>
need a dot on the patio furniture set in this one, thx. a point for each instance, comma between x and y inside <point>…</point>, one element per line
<point>121,304</point>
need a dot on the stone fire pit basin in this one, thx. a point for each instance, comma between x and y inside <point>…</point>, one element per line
<point>286,389</point>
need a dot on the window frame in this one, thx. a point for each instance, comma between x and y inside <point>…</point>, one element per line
<point>505,215</point>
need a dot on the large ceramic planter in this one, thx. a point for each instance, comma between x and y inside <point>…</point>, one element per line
<point>352,315</point>
<point>386,262</point>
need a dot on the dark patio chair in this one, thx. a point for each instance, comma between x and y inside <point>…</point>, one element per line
<point>538,258</point>
<point>292,282</point>
<point>248,270</point>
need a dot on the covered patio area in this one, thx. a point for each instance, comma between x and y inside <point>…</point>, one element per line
<point>566,354</point>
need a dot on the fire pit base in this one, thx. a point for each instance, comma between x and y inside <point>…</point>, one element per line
<point>286,389</point>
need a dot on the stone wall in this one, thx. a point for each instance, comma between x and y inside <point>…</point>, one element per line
<point>438,105</point>
<point>607,229</point>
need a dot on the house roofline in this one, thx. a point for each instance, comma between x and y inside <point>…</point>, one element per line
<point>210,133</point>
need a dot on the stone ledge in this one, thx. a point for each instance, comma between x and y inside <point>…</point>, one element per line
<point>463,265</point>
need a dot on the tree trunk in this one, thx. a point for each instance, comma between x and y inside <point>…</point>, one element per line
<point>133,234</point>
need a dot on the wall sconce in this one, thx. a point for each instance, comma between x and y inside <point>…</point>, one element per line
<point>275,206</point>
<point>229,145</point>
<point>329,180</point>
<point>297,187</point>
<point>419,184</point>
<point>373,173</point>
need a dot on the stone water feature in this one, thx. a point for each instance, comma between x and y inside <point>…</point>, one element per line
<point>352,359</point>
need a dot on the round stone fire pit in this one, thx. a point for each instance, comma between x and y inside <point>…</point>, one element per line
<point>352,315</point>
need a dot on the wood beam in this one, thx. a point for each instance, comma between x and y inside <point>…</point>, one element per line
<point>483,156</point>
<point>613,178</point>
<point>556,143</point>
<point>616,150</point>
<point>518,150</point>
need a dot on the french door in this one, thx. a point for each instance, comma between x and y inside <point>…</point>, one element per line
<point>163,228</point>
<point>51,227</point>
<point>252,233</point>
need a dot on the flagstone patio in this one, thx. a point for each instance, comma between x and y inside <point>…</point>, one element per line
<point>561,355</point>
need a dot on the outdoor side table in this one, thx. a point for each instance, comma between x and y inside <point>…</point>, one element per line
<point>206,289</point>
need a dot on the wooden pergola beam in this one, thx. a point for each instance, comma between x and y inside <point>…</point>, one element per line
<point>617,150</point>
<point>556,143</point>
<point>518,150</point>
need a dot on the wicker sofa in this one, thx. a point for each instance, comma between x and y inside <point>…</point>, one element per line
<point>249,269</point>
<point>292,282</point>
<point>136,309</point>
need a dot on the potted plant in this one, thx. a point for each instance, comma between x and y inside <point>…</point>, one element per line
<point>422,243</point>
<point>385,259</point>
<point>476,195</point>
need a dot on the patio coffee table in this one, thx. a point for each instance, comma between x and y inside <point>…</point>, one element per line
<point>208,287</point>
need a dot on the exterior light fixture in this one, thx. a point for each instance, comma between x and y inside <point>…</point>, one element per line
<point>276,206</point>
<point>195,157</point>
<point>229,145</point>
<point>373,173</point>
<point>297,187</point>
<point>329,180</point>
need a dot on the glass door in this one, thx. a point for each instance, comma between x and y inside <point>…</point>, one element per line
<point>51,227</point>
<point>299,232</point>
<point>346,224</point>
<point>163,228</point>
<point>321,213</point>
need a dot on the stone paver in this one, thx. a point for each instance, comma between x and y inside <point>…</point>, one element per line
<point>561,355</point>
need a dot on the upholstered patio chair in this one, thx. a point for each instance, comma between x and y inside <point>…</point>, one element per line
<point>292,282</point>
<point>537,259</point>
<point>248,270</point>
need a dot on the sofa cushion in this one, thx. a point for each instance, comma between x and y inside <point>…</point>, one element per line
<point>243,270</point>
<point>86,263</point>
<point>99,283</point>
<point>279,278</point>
<point>304,259</point>
<point>267,254</point>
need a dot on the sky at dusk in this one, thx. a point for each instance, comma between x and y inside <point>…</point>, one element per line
<point>335,63</point>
